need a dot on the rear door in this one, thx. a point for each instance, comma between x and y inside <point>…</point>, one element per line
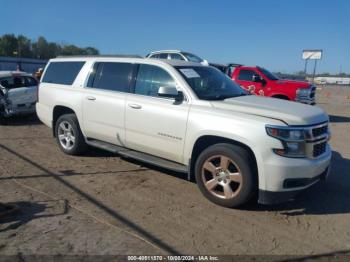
<point>104,101</point>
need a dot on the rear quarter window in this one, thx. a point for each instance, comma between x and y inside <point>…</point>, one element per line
<point>63,73</point>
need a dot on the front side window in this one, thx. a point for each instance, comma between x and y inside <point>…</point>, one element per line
<point>193,58</point>
<point>150,78</point>
<point>155,56</point>
<point>111,76</point>
<point>63,73</point>
<point>246,75</point>
<point>268,74</point>
<point>209,83</point>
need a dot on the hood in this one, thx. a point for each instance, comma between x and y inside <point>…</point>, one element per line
<point>293,83</point>
<point>291,113</point>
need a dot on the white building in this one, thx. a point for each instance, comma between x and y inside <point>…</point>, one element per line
<point>332,80</point>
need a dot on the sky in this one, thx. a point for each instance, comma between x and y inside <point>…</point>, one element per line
<point>268,33</point>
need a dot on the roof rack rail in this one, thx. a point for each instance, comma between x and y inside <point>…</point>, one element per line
<point>116,56</point>
<point>234,64</point>
<point>167,50</point>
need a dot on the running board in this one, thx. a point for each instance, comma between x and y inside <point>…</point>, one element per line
<point>147,158</point>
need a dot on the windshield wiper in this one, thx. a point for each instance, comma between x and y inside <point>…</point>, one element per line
<point>223,97</point>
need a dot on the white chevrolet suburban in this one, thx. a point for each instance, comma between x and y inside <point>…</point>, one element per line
<point>189,118</point>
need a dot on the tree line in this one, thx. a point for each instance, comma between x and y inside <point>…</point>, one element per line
<point>22,46</point>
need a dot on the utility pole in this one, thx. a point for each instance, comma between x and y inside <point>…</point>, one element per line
<point>314,54</point>
<point>305,68</point>
<point>313,75</point>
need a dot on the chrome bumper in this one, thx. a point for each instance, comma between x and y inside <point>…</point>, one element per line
<point>307,98</point>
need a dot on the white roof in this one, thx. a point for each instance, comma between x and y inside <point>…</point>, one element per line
<point>11,73</point>
<point>166,51</point>
<point>172,62</point>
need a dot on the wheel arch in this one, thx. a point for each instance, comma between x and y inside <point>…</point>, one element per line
<point>58,111</point>
<point>205,141</point>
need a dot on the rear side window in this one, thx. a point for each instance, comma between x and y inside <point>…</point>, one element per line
<point>150,78</point>
<point>246,75</point>
<point>63,73</point>
<point>111,76</point>
<point>154,56</point>
<point>163,56</point>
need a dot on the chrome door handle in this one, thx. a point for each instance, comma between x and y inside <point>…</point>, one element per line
<point>91,98</point>
<point>135,106</point>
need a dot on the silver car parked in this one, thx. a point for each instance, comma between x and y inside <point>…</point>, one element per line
<point>18,93</point>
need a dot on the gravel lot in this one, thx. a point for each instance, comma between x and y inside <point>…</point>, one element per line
<point>101,204</point>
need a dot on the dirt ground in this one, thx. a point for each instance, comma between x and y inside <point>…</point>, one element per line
<point>101,204</point>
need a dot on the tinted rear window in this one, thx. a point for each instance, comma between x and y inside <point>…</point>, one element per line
<point>63,73</point>
<point>111,76</point>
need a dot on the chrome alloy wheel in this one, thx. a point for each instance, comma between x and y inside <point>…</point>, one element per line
<point>66,135</point>
<point>222,177</point>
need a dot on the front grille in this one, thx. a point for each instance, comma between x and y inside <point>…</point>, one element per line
<point>319,149</point>
<point>318,131</point>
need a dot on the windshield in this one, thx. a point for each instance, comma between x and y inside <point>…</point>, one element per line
<point>192,57</point>
<point>268,74</point>
<point>209,83</point>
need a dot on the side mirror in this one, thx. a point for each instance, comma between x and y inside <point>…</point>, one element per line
<point>205,62</point>
<point>256,78</point>
<point>259,79</point>
<point>170,92</point>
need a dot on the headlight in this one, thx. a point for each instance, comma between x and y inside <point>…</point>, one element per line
<point>303,91</point>
<point>293,140</point>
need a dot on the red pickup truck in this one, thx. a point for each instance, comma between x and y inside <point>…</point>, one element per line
<point>260,81</point>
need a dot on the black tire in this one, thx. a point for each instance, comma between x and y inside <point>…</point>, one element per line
<point>3,120</point>
<point>281,97</point>
<point>241,161</point>
<point>79,146</point>
<point>2,109</point>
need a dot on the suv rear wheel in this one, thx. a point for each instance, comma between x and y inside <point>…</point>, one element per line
<point>69,136</point>
<point>225,176</point>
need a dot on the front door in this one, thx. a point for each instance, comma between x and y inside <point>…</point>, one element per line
<point>246,80</point>
<point>153,124</point>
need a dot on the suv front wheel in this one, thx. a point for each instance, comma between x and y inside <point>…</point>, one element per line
<point>225,175</point>
<point>69,136</point>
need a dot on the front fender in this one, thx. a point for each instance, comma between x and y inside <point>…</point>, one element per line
<point>249,132</point>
